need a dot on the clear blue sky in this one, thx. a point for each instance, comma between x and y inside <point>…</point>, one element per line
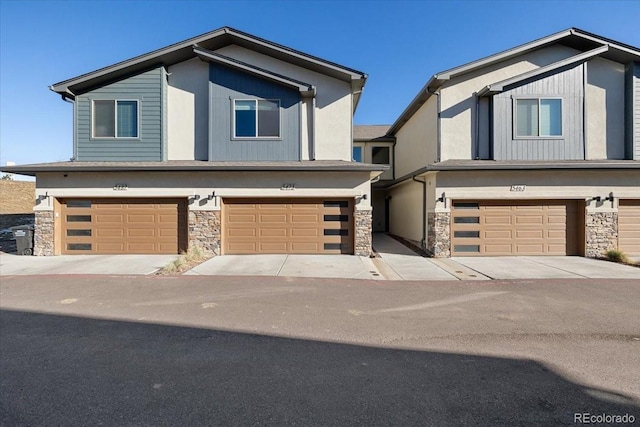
<point>400,44</point>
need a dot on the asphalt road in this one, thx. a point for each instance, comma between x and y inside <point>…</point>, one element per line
<point>97,350</point>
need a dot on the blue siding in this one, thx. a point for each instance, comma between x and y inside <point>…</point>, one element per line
<point>225,85</point>
<point>147,88</point>
<point>568,85</point>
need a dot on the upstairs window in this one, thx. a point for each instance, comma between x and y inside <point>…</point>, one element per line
<point>538,117</point>
<point>358,153</point>
<point>256,118</point>
<point>115,119</point>
<point>381,155</point>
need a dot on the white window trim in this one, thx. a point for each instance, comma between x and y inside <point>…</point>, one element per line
<point>115,103</point>
<point>514,123</point>
<point>250,138</point>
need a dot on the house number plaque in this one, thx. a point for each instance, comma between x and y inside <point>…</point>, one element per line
<point>288,187</point>
<point>518,187</point>
<point>120,187</point>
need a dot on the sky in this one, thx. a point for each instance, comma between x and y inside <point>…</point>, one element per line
<point>399,44</point>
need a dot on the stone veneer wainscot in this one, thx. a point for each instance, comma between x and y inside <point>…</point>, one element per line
<point>439,234</point>
<point>363,225</point>
<point>601,233</point>
<point>204,230</point>
<point>43,238</point>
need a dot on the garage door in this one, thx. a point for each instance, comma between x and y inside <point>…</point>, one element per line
<point>123,226</point>
<point>629,227</point>
<point>489,228</point>
<point>287,226</point>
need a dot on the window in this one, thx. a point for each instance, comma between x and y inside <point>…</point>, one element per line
<point>115,119</point>
<point>256,118</point>
<point>357,153</point>
<point>539,117</point>
<point>381,156</point>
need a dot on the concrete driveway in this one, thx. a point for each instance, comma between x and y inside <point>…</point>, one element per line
<point>328,266</point>
<point>547,267</point>
<point>11,264</point>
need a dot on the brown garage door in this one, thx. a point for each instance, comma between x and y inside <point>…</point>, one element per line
<point>287,226</point>
<point>123,226</point>
<point>489,228</point>
<point>629,227</point>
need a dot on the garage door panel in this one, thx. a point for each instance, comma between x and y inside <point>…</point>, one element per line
<point>273,232</point>
<point>529,219</point>
<point>242,232</point>
<point>529,234</point>
<point>629,227</point>
<point>305,232</point>
<point>286,225</point>
<point>127,225</point>
<point>302,218</point>
<point>277,219</point>
<point>141,232</point>
<point>119,219</point>
<point>305,247</point>
<point>513,227</point>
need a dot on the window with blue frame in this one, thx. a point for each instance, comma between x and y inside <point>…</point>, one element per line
<point>115,118</point>
<point>256,118</point>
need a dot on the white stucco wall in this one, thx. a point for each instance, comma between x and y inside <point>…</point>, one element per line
<point>333,115</point>
<point>188,111</point>
<point>405,210</point>
<point>540,185</point>
<point>604,102</point>
<point>457,101</point>
<point>416,141</point>
<point>188,184</point>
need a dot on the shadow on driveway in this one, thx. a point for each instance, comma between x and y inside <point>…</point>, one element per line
<point>61,370</point>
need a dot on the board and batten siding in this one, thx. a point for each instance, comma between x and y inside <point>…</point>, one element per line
<point>227,84</point>
<point>632,111</point>
<point>147,89</point>
<point>568,85</point>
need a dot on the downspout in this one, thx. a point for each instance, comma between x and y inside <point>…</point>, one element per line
<point>424,211</point>
<point>477,126</point>
<point>313,128</point>
<point>438,131</point>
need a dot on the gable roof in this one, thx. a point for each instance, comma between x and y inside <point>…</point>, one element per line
<point>211,41</point>
<point>371,133</point>
<point>573,37</point>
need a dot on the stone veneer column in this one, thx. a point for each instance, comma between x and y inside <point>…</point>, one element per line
<point>439,234</point>
<point>363,225</point>
<point>43,233</point>
<point>601,233</point>
<point>204,230</point>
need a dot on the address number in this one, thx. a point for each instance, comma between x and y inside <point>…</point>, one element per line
<point>120,187</point>
<point>288,187</point>
<point>518,187</point>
